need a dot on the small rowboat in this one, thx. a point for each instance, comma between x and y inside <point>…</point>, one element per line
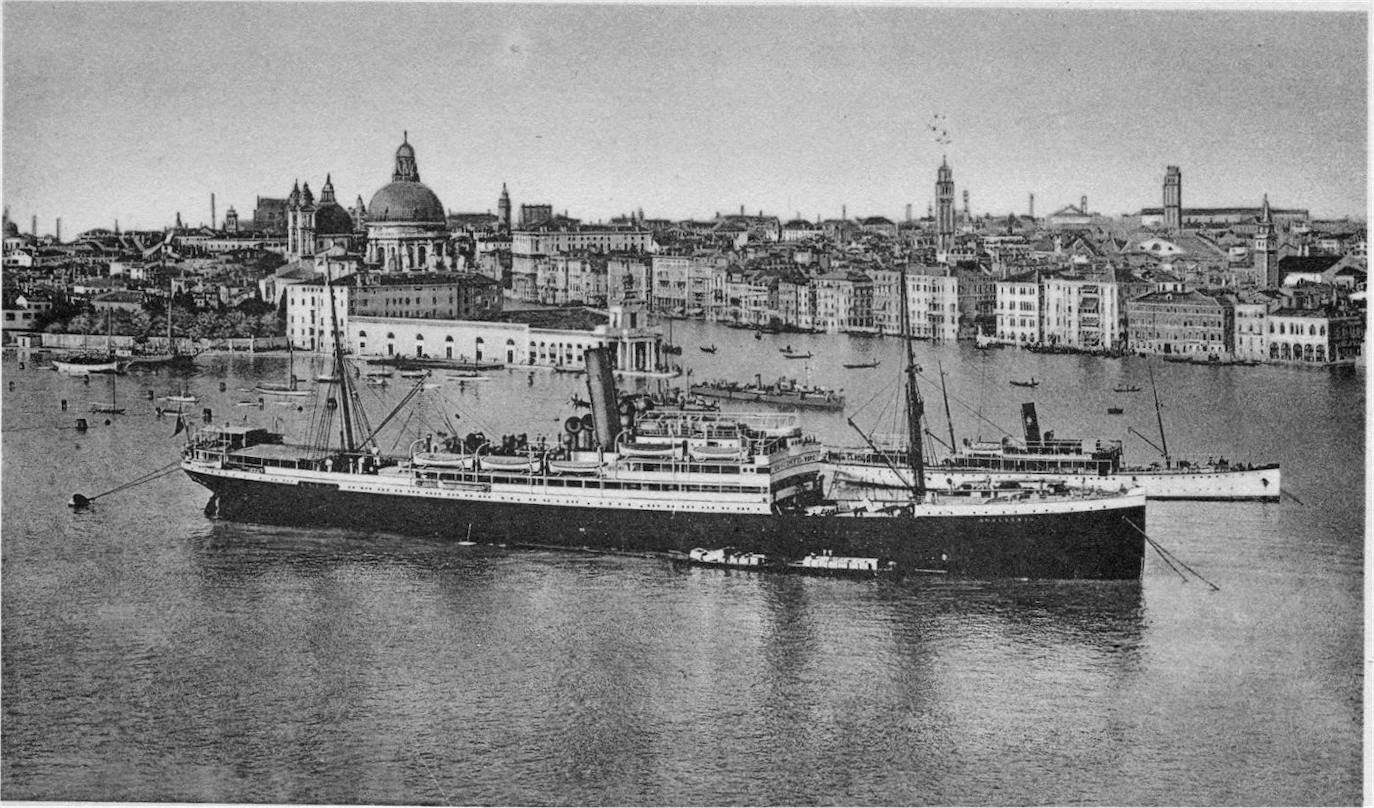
<point>447,460</point>
<point>856,365</point>
<point>414,374</point>
<point>181,399</point>
<point>1031,383</point>
<point>279,390</point>
<point>806,355</point>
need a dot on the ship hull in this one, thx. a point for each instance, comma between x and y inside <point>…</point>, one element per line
<point>776,399</point>
<point>1253,484</point>
<point>1105,543</point>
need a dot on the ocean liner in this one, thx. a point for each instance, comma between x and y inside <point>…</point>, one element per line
<point>657,481</point>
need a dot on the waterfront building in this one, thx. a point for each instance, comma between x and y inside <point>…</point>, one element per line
<point>682,284</point>
<point>418,296</point>
<point>796,302</point>
<point>21,310</point>
<point>532,338</point>
<point>1250,313</point>
<point>1018,307</point>
<point>1177,323</point>
<point>564,278</point>
<point>844,302</point>
<point>932,303</point>
<point>1315,336</point>
<point>1081,311</point>
<point>977,299</point>
<point>407,230</point>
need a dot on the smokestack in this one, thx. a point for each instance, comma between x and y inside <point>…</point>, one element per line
<point>212,211</point>
<point>34,227</point>
<point>58,234</point>
<point>741,210</point>
<point>844,212</point>
<point>1032,205</point>
<point>601,390</point>
<point>908,211</point>
<point>1031,424</point>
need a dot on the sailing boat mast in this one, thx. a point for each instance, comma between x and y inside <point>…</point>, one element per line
<point>915,408</point>
<point>1163,442</point>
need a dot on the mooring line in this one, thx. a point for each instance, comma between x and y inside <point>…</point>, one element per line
<point>1164,551</point>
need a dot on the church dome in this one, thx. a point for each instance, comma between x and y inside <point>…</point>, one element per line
<point>332,220</point>
<point>11,229</point>
<point>405,201</point>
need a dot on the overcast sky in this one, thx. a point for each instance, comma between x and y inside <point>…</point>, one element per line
<point>136,111</point>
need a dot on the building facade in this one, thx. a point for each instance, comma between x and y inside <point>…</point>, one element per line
<point>1177,323</point>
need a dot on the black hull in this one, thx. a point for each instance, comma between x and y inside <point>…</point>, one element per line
<point>1095,544</point>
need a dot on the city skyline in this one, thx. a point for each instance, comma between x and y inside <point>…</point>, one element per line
<point>680,111</point>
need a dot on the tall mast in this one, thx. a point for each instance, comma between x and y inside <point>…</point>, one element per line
<point>1163,442</point>
<point>915,408</point>
<point>944,393</point>
<point>340,371</point>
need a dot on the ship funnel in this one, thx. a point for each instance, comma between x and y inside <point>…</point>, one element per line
<point>601,390</point>
<point>1031,424</point>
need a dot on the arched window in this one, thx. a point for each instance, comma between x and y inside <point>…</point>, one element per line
<point>510,342</point>
<point>1273,350</point>
<point>1311,330</point>
<point>362,335</point>
<point>419,337</point>
<point>390,335</point>
<point>1307,353</point>
<point>1321,353</point>
<point>449,338</point>
<point>1286,352</point>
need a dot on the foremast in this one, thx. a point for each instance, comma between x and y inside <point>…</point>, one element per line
<point>915,407</point>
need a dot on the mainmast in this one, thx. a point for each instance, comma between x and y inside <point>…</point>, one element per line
<point>1163,442</point>
<point>915,408</point>
<point>340,371</point>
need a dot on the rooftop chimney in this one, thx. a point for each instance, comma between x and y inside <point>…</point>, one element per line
<point>1032,205</point>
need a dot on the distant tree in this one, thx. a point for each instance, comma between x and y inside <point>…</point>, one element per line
<point>255,307</point>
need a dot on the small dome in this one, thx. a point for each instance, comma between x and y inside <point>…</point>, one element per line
<point>405,201</point>
<point>11,229</point>
<point>405,150</point>
<point>332,220</point>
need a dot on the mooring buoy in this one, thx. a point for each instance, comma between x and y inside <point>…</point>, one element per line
<point>78,502</point>
<point>81,425</point>
<point>64,405</point>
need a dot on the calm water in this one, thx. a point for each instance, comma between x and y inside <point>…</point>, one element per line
<point>152,654</point>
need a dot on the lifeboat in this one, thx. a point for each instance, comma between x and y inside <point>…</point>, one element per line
<point>509,463</point>
<point>716,452</point>
<point>574,466</point>
<point>447,460</point>
<point>648,449</point>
